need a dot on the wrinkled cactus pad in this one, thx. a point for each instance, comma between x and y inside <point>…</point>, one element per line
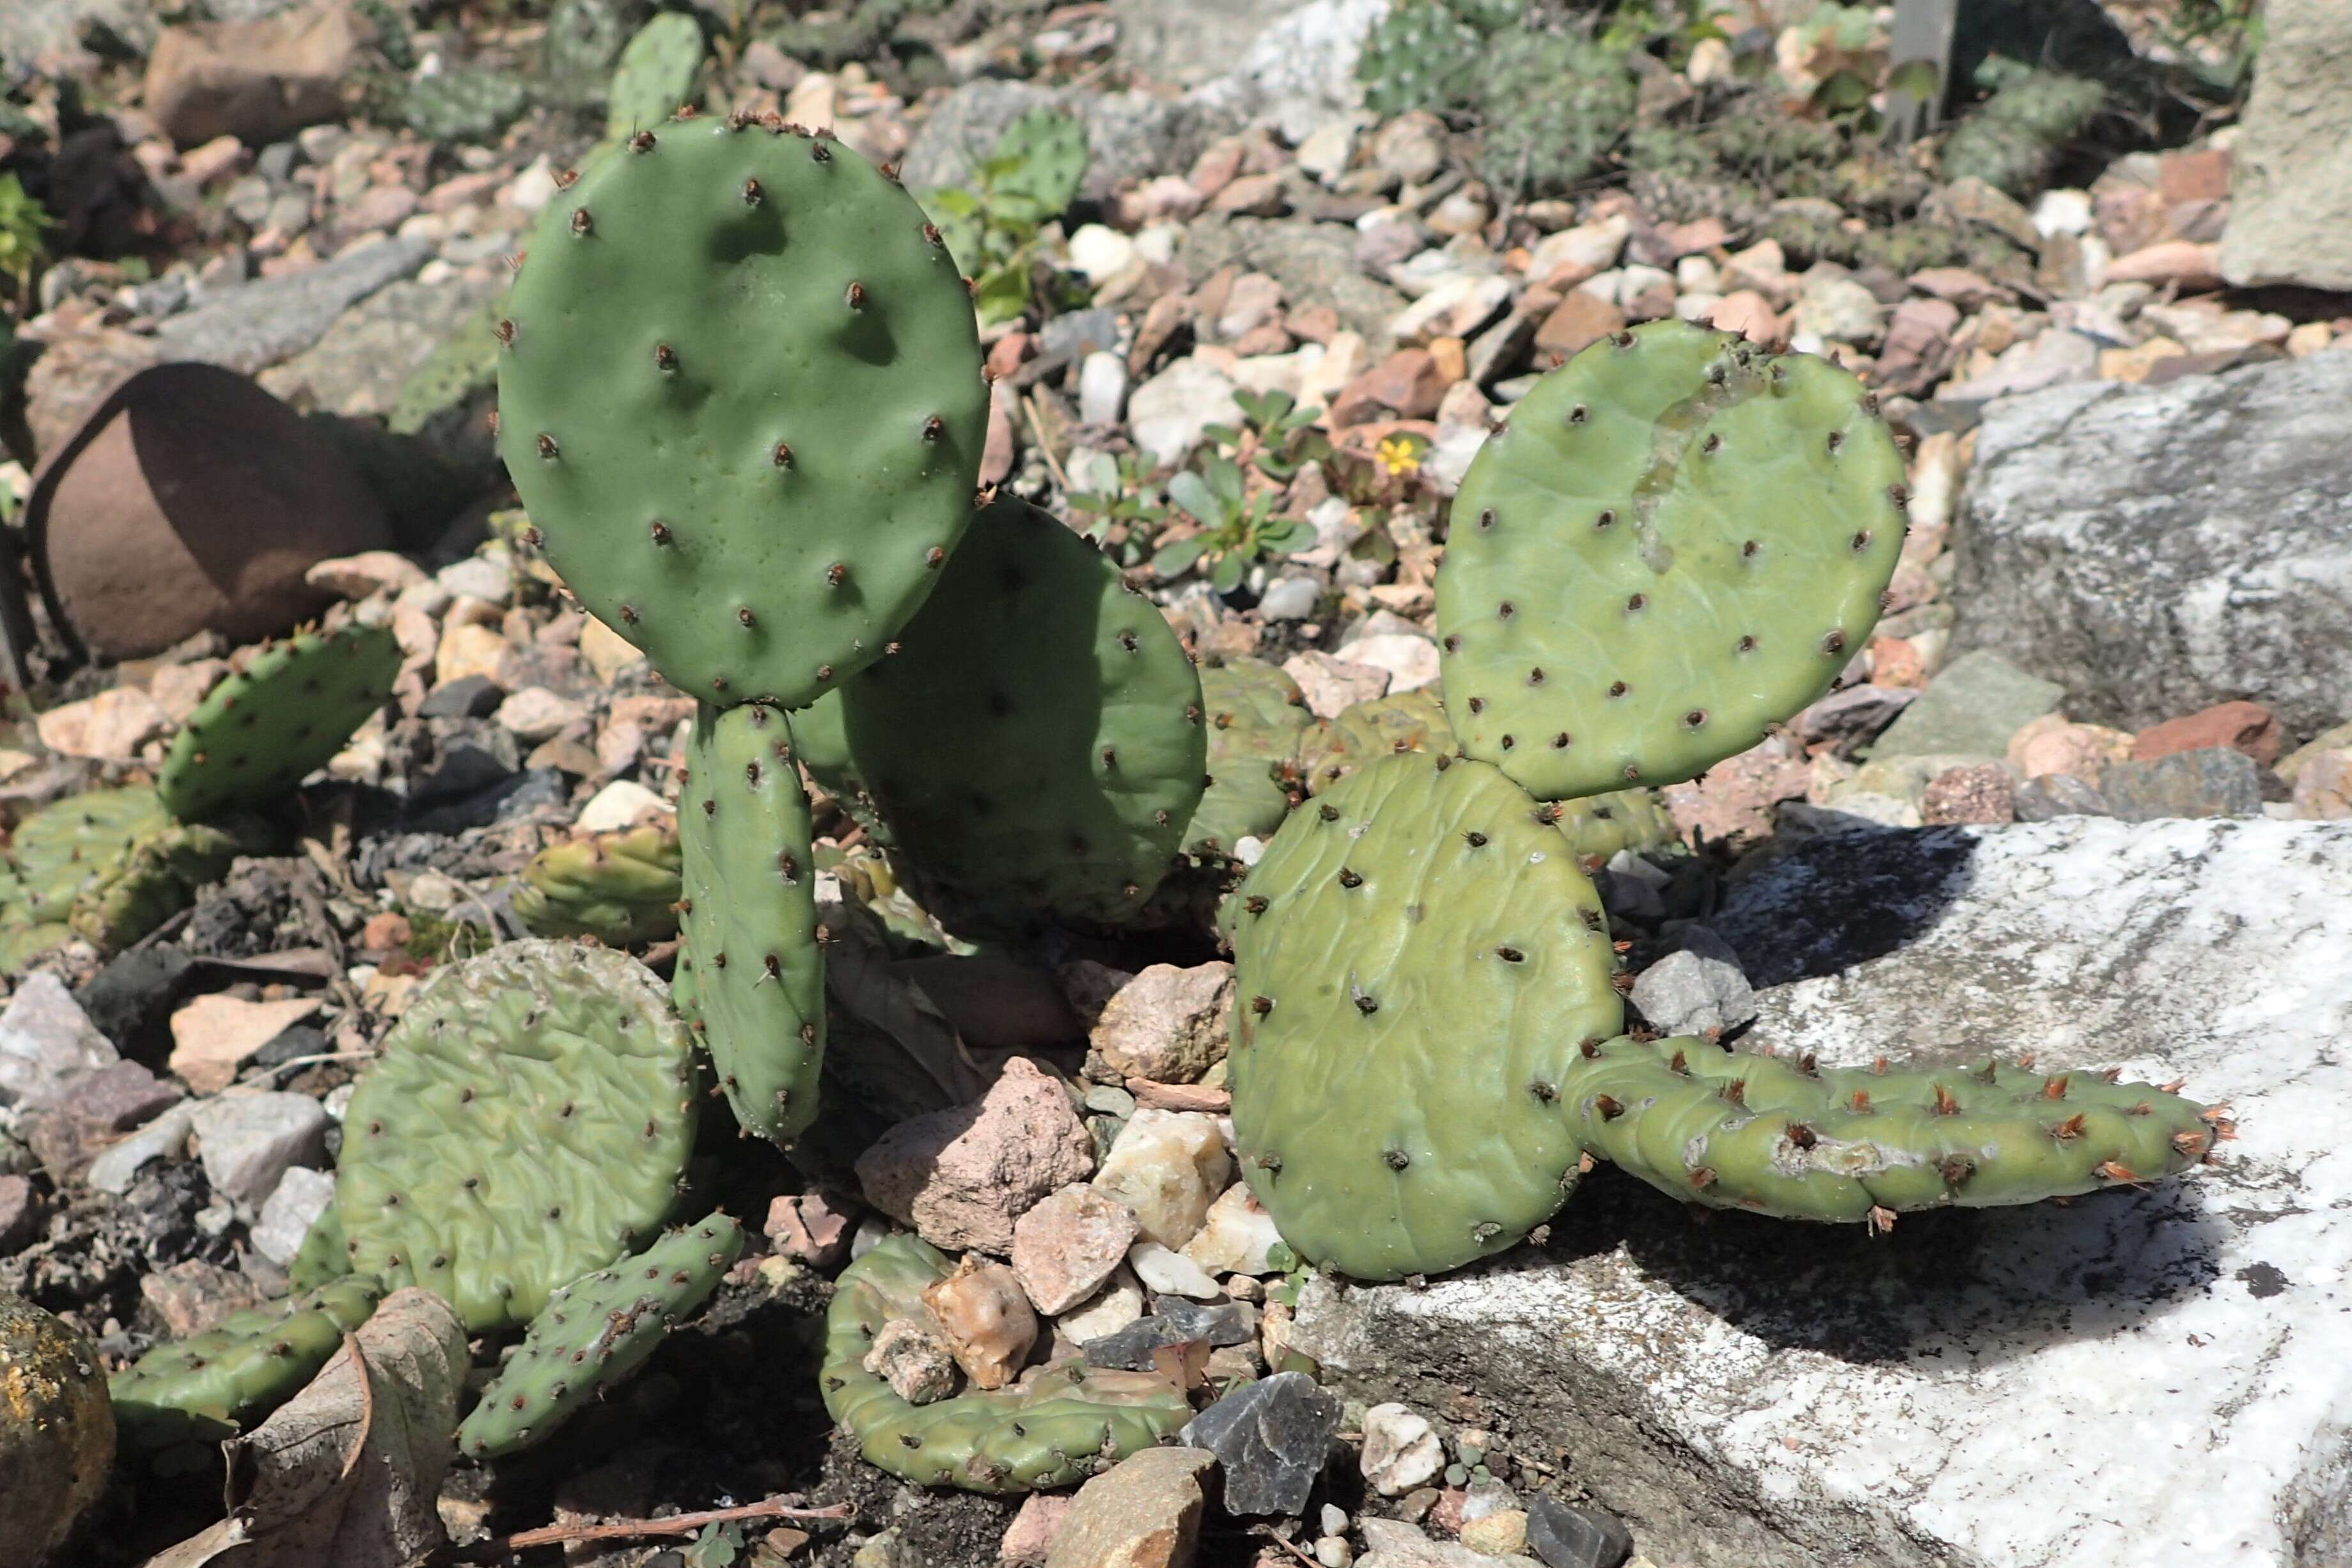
<point>595,1332</point>
<point>1037,744</point>
<point>1679,541</point>
<point>1417,958</point>
<point>1059,1424</point>
<point>265,728</point>
<point>219,1382</point>
<point>1255,717</point>
<point>528,1122</point>
<point>757,990</point>
<point>739,394</point>
<point>1333,748</point>
<point>621,888</point>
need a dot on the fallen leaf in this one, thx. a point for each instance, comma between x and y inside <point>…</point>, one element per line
<point>346,1473</point>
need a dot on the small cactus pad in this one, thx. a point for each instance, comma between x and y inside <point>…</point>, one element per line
<point>750,920</point>
<point>108,867</point>
<point>595,1332</point>
<point>1782,1136</point>
<point>1255,717</point>
<point>1597,826</point>
<point>1408,721</point>
<point>1038,743</point>
<point>1046,148</point>
<point>655,74</point>
<point>218,1384</point>
<point>1679,541</point>
<point>740,393</point>
<point>264,728</point>
<point>1416,957</point>
<point>528,1122</point>
<point>1057,1424</point>
<point>620,888</point>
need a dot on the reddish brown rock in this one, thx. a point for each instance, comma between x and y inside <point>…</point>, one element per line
<point>1408,385</point>
<point>1918,345</point>
<point>960,1176</point>
<point>811,1227</point>
<point>1581,319</point>
<point>1734,799</point>
<point>258,81</point>
<point>1064,1247</point>
<point>2202,176</point>
<point>2247,727</point>
<point>1031,1534</point>
<point>1979,793</point>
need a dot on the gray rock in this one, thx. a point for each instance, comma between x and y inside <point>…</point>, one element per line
<point>300,1197</point>
<point>1301,69</point>
<point>1289,599</point>
<point>1697,989</point>
<point>247,1142</point>
<point>2162,549</point>
<point>963,130</point>
<point>1193,42</point>
<point>1079,333</point>
<point>2291,167</point>
<point>2212,780</point>
<point>1168,414</point>
<point>2058,795</point>
<point>1271,1438</point>
<point>1973,705</point>
<point>1129,135</point>
<point>1850,717</point>
<point>358,365</point>
<point>52,36</point>
<point>1310,260</point>
<point>46,1042</point>
<point>467,697</point>
<point>1176,1321</point>
<point>118,1165</point>
<point>1565,1537</point>
<point>258,324</point>
<point>1782,1396</point>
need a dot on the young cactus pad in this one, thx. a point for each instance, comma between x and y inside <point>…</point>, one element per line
<point>107,866</point>
<point>1057,1425</point>
<point>758,987</point>
<point>1416,957</point>
<point>740,393</point>
<point>1679,541</point>
<point>528,1122</point>
<point>1038,743</point>
<point>264,728</point>
<point>1788,1138</point>
<point>1047,151</point>
<point>655,74</point>
<point>595,1332</point>
<point>1408,721</point>
<point>220,1381</point>
<point>620,888</point>
<point>1255,717</point>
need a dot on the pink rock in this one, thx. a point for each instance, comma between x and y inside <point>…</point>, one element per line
<point>1748,313</point>
<point>2184,263</point>
<point>1334,684</point>
<point>2051,744</point>
<point>1979,793</point>
<point>1918,345</point>
<point>811,1227</point>
<point>2247,727</point>
<point>1064,1247</point>
<point>1030,1535</point>
<point>1168,1024</point>
<point>2323,789</point>
<point>960,1176</point>
<point>110,726</point>
<point>212,1036</point>
<point>986,1319</point>
<point>1734,799</point>
<point>1407,384</point>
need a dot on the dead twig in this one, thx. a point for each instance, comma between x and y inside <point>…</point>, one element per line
<point>630,1529</point>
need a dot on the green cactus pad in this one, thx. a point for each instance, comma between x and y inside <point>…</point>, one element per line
<point>528,1122</point>
<point>1597,826</point>
<point>1059,1424</point>
<point>262,729</point>
<point>108,867</point>
<point>750,917</point>
<point>1417,958</point>
<point>595,1332</point>
<point>322,1257</point>
<point>1256,715</point>
<point>741,397</point>
<point>1038,743</point>
<point>655,74</point>
<point>1408,721</point>
<point>1679,541</point>
<point>1047,150</point>
<point>620,888</point>
<point>219,1382</point>
<point>821,741</point>
<point>1787,1138</point>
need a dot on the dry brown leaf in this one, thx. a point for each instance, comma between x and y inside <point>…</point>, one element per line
<point>346,1474</point>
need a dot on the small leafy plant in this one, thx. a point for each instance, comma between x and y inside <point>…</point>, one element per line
<point>1237,528</point>
<point>995,232</point>
<point>23,222</point>
<point>1278,437</point>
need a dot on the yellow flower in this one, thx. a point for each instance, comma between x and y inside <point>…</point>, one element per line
<point>1399,455</point>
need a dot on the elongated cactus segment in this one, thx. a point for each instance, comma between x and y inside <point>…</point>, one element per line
<point>1059,1424</point>
<point>620,888</point>
<point>219,1382</point>
<point>1037,744</point>
<point>740,393</point>
<point>528,1122</point>
<point>1256,715</point>
<point>1416,959</point>
<point>1679,541</point>
<point>595,1332</point>
<point>655,74</point>
<point>758,986</point>
<point>264,728</point>
<point>1788,1138</point>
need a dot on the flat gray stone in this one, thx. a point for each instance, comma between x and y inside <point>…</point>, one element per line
<point>1311,261</point>
<point>2157,551</point>
<point>119,1164</point>
<point>248,1141</point>
<point>2212,780</point>
<point>2147,1377</point>
<point>301,1196</point>
<point>46,1043</point>
<point>2291,167</point>
<point>1130,136</point>
<point>1973,705</point>
<point>258,324</point>
<point>359,363</point>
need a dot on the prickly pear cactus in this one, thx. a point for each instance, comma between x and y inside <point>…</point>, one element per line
<point>1597,826</point>
<point>1789,1138</point>
<point>620,888</point>
<point>750,871</point>
<point>322,1257</point>
<point>740,393</point>
<point>1418,56</point>
<point>1416,957</point>
<point>820,742</point>
<point>1037,744</point>
<point>528,1122</point>
<point>595,1332</point>
<point>462,104</point>
<point>583,38</point>
<point>1408,721</point>
<point>57,1438</point>
<point>1047,151</point>
<point>1255,717</point>
<point>1679,541</point>
<point>108,867</point>
<point>264,728</point>
<point>219,1382</point>
<point>1057,1424</point>
<point>655,75</point>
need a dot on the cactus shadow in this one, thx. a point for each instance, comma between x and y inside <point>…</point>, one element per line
<point>1969,1286</point>
<point>1835,902</point>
